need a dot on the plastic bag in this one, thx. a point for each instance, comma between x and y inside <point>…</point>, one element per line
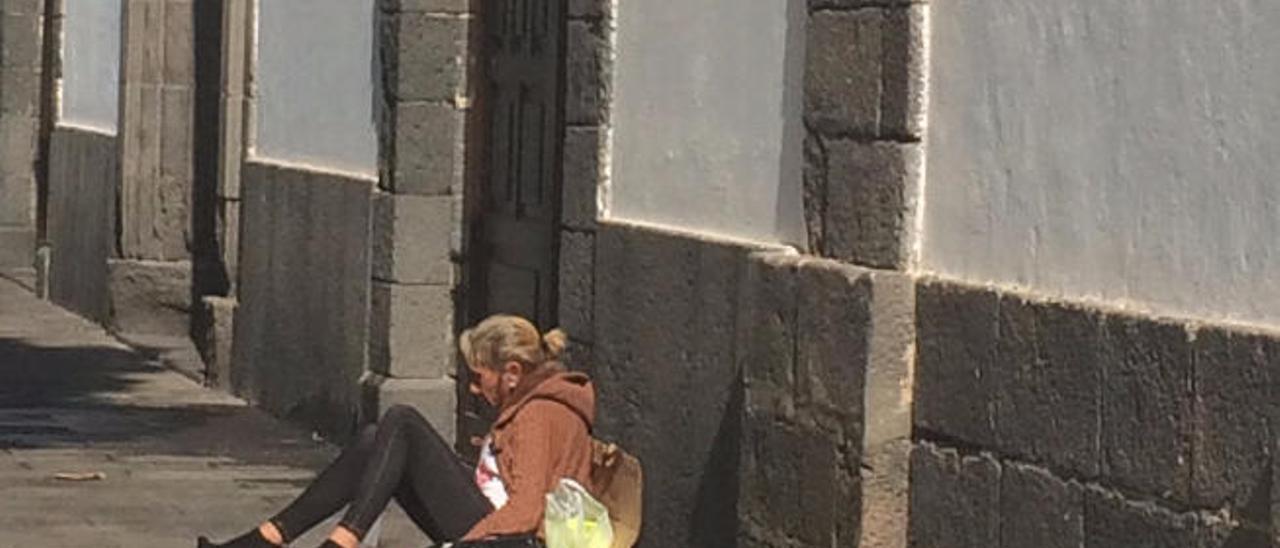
<point>575,519</point>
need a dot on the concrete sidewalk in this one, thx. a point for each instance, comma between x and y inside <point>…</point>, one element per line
<point>175,460</point>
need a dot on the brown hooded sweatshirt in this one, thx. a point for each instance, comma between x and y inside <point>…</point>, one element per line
<point>543,435</point>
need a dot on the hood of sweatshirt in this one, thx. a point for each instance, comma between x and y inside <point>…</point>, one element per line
<point>571,389</point>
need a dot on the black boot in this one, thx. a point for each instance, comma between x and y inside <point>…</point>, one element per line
<point>252,539</point>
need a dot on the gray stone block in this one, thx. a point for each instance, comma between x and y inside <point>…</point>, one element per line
<point>436,399</point>
<point>955,500</point>
<point>435,6</point>
<point>1110,521</point>
<point>886,497</point>
<point>179,43</point>
<point>17,247</point>
<point>1038,509</point>
<point>150,298</point>
<point>24,7</point>
<point>1233,378</point>
<point>767,315</point>
<point>411,330</point>
<point>214,333</point>
<point>229,239</point>
<point>413,238</point>
<point>871,197</point>
<point>1147,407</point>
<point>577,284</point>
<point>589,9</point>
<point>902,98</point>
<point>83,177</point>
<point>668,385</point>
<point>19,92</point>
<point>586,81</point>
<point>18,144</point>
<point>430,149</point>
<point>176,133</point>
<point>856,4</point>
<point>20,36</point>
<point>17,201</point>
<point>431,56</point>
<point>958,329</point>
<point>791,481</point>
<point>582,177</point>
<point>833,339</point>
<point>1049,384</point>
<point>891,361</point>
<point>302,329</point>
<point>843,71</point>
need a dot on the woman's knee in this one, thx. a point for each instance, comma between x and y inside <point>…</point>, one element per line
<point>399,414</point>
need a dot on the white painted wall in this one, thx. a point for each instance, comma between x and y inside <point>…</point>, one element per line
<point>91,64</point>
<point>316,74</point>
<point>703,100</point>
<point>1125,151</point>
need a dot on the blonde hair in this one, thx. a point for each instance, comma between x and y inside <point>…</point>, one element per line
<point>503,338</point>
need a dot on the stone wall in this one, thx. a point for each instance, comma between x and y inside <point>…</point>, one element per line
<point>21,74</point>
<point>716,361</point>
<point>83,177</point>
<point>301,329</point>
<point>425,146</point>
<point>1052,424</point>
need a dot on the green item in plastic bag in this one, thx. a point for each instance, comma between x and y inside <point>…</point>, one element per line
<point>575,519</point>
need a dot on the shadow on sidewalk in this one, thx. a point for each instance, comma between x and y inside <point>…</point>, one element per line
<point>111,398</point>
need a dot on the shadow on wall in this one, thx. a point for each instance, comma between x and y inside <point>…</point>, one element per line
<point>209,270</point>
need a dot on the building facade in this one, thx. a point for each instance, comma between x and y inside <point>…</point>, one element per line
<point>877,273</point>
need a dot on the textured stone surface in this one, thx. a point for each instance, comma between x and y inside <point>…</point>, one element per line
<point>431,56</point>
<point>429,149</point>
<point>666,375</point>
<point>902,98</point>
<point>436,399</point>
<point>1038,509</point>
<point>446,6</point>
<point>17,247</point>
<point>411,330</point>
<point>957,328</point>
<point>767,316</point>
<point>577,284</point>
<point>842,76</point>
<point>1233,376</point>
<point>886,485</point>
<point>954,499</point>
<point>582,177</point>
<point>585,75</point>
<point>588,9</point>
<point>150,298</point>
<point>1146,411</point>
<point>1113,522</point>
<point>791,481</point>
<point>302,328</point>
<point>1048,401</point>
<point>413,237</point>
<point>889,384</point>
<point>82,183</point>
<point>871,201</point>
<point>833,328</point>
<point>215,333</point>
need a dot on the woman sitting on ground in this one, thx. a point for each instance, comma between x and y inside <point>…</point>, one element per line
<point>542,434</point>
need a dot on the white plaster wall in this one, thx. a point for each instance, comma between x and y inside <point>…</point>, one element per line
<point>91,64</point>
<point>704,96</point>
<point>315,73</point>
<point>1127,151</point>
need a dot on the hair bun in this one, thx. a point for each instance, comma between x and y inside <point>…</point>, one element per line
<point>554,342</point>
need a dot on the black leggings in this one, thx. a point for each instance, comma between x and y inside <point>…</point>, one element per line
<point>402,457</point>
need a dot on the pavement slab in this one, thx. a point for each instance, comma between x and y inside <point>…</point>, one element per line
<point>102,446</point>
